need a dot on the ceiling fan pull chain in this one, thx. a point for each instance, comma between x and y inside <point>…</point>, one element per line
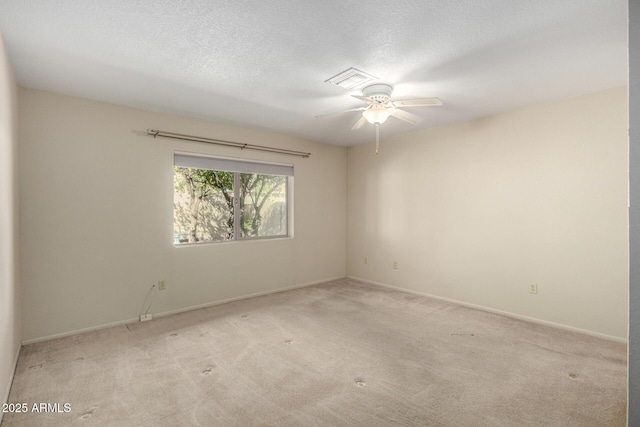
<point>377,137</point>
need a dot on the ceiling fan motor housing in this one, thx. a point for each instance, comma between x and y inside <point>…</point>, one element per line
<point>378,92</point>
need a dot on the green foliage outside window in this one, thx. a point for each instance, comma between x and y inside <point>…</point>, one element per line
<point>205,205</point>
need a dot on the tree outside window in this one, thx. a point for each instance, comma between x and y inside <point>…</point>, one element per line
<point>217,205</point>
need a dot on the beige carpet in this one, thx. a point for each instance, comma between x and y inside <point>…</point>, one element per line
<point>335,354</point>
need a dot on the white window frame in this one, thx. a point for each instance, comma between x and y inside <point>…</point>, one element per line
<point>239,166</point>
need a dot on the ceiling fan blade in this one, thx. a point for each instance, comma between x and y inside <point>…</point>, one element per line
<point>359,123</point>
<point>419,102</point>
<point>340,112</point>
<point>405,116</point>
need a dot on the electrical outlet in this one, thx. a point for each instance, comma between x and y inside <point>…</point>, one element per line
<point>395,265</point>
<point>366,260</point>
<point>145,317</point>
<point>533,288</point>
<point>162,285</point>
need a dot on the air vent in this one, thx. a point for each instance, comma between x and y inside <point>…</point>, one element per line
<point>351,78</point>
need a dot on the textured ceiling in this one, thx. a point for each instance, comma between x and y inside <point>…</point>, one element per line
<point>263,64</point>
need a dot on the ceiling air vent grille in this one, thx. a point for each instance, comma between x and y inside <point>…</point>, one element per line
<point>351,78</point>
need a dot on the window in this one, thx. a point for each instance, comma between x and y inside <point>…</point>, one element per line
<point>220,199</point>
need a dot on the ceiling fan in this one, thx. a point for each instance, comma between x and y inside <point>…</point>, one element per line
<point>380,107</point>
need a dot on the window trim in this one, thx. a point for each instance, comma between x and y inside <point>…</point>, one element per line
<point>249,166</point>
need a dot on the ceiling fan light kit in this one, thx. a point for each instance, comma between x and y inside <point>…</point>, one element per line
<point>376,114</point>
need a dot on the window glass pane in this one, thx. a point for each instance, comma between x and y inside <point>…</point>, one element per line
<point>263,205</point>
<point>214,203</point>
<point>203,205</point>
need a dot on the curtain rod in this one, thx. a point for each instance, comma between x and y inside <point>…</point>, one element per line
<point>155,133</point>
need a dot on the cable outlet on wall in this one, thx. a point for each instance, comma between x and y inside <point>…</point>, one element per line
<point>366,260</point>
<point>395,265</point>
<point>533,288</point>
<point>145,317</point>
<point>162,285</point>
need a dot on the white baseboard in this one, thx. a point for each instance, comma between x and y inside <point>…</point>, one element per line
<point>257,294</point>
<point>13,374</point>
<point>79,331</point>
<point>495,311</point>
<point>179,310</point>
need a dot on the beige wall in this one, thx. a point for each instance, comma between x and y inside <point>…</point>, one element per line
<point>97,217</point>
<point>9,289</point>
<point>477,211</point>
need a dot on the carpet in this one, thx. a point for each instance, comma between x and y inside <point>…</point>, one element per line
<point>341,353</point>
